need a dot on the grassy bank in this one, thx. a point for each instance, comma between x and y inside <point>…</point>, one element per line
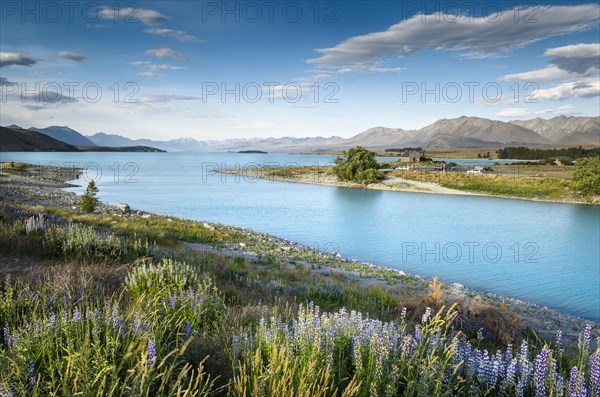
<point>542,188</point>
<point>110,304</point>
<point>524,181</point>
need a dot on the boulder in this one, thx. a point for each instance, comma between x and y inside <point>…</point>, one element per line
<point>123,207</point>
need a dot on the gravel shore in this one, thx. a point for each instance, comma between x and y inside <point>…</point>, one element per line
<point>43,188</point>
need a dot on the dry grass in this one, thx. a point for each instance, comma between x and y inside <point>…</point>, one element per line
<point>548,188</point>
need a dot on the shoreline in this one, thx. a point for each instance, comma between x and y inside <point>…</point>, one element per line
<point>255,246</point>
<point>389,183</point>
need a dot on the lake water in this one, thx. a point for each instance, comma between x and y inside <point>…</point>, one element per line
<point>544,253</point>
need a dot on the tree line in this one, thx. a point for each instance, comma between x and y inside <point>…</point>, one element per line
<point>525,153</point>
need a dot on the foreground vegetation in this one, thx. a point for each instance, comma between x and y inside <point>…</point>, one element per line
<point>113,306</point>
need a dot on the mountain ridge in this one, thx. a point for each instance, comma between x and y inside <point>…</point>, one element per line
<point>459,132</point>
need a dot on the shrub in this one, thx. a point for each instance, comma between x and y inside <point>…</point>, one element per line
<point>79,241</point>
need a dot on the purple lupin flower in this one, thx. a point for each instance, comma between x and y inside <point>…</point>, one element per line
<point>426,316</point>
<point>151,352</point>
<point>236,345</point>
<point>76,316</point>
<point>7,337</point>
<point>418,333</point>
<point>558,342</point>
<point>539,378</point>
<point>595,374</point>
<point>31,374</point>
<point>6,392</point>
<point>576,385</point>
<point>585,338</point>
<point>188,329</point>
<point>511,372</point>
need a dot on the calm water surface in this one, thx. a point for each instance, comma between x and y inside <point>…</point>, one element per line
<point>544,253</point>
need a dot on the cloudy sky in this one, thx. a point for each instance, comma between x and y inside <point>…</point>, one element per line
<point>217,70</point>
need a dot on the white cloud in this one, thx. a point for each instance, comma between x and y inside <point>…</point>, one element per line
<point>146,16</point>
<point>152,69</point>
<point>166,52</point>
<point>13,58</point>
<point>170,97</point>
<point>527,113</point>
<point>575,50</point>
<point>575,66</point>
<point>550,73</point>
<point>174,34</point>
<point>576,58</point>
<point>474,37</point>
<point>73,56</point>
<point>582,88</point>
<point>514,112</point>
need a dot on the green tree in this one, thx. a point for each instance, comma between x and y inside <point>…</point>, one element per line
<point>586,176</point>
<point>89,200</point>
<point>359,165</point>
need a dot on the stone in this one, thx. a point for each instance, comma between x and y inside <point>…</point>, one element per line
<point>123,207</point>
<point>146,216</point>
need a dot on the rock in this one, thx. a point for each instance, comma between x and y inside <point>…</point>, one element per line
<point>207,226</point>
<point>123,207</point>
<point>146,216</point>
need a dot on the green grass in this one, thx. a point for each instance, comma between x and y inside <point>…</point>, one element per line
<point>104,312</point>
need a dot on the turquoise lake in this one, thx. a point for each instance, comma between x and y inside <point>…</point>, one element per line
<point>545,253</point>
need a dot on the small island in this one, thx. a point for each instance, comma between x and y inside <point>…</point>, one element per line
<point>252,152</point>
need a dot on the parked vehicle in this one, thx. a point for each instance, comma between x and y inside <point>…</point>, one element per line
<point>402,168</point>
<point>474,172</point>
<point>488,169</point>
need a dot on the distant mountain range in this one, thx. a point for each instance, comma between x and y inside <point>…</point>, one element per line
<point>65,134</point>
<point>16,139</point>
<point>461,132</point>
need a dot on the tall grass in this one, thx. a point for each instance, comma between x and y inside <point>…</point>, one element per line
<point>72,343</point>
<point>360,356</point>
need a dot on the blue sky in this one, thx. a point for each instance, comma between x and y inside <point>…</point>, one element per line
<point>218,70</point>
